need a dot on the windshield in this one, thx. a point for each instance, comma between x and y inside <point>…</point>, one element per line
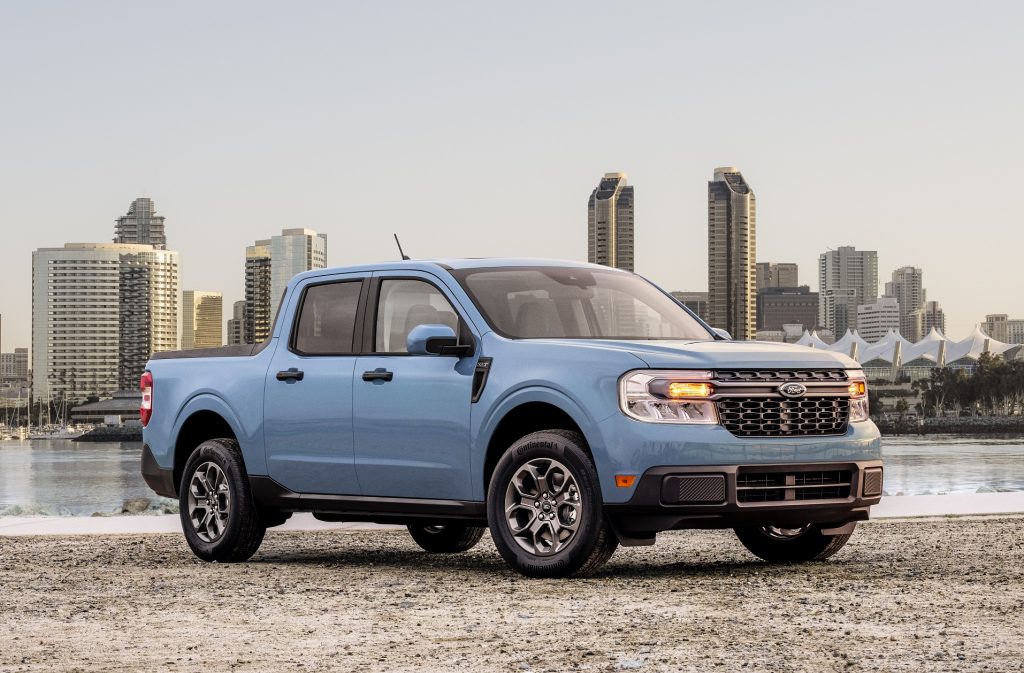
<point>576,303</point>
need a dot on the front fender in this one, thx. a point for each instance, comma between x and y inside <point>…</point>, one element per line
<point>534,394</point>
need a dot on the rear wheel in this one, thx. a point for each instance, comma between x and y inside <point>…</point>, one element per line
<point>777,544</point>
<point>446,539</point>
<point>545,509</point>
<point>218,513</point>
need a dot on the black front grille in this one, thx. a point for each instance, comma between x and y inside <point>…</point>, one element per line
<point>778,486</point>
<point>782,417</point>
<point>766,375</point>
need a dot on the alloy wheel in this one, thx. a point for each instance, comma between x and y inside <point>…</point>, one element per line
<point>543,506</point>
<point>209,501</point>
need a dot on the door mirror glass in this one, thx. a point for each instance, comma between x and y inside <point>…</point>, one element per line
<point>431,339</point>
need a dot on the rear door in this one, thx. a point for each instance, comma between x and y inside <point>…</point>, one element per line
<point>308,391</point>
<point>412,412</point>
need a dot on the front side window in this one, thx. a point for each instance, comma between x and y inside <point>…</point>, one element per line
<point>576,303</point>
<point>328,319</point>
<point>403,305</point>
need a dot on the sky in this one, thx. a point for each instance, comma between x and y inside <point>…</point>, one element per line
<point>477,129</point>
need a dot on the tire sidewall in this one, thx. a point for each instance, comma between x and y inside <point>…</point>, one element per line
<point>557,447</point>
<point>214,452</point>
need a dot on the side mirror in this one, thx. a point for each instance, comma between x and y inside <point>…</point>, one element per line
<point>721,333</point>
<point>435,340</point>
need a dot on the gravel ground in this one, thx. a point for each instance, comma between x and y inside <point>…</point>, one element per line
<point>904,595</point>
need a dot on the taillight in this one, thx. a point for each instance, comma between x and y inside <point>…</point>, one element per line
<point>146,408</point>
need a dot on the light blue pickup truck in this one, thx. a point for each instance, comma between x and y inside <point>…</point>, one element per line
<point>567,407</point>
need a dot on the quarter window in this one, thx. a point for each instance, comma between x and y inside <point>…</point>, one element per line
<point>328,319</point>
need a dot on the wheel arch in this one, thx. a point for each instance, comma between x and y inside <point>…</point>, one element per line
<point>203,418</point>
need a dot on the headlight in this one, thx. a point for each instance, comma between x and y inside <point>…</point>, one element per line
<point>666,396</point>
<point>858,390</point>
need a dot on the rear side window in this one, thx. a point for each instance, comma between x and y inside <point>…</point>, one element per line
<point>328,319</point>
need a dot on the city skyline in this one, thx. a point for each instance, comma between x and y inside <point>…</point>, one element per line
<point>300,138</point>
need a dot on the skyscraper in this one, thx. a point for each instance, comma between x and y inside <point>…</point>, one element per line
<point>269,265</point>
<point>236,324</point>
<point>847,278</point>
<point>257,292</point>
<point>141,225</point>
<point>907,288</point>
<point>294,251</point>
<point>732,254</point>
<point>201,323</point>
<point>610,223</point>
<point>99,310</point>
<point>928,317</point>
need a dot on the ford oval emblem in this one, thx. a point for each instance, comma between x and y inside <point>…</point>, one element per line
<point>793,389</point>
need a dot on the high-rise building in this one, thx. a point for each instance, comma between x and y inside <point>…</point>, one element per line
<point>996,326</point>
<point>847,278</point>
<point>874,320</point>
<point>141,225</point>
<point>257,292</point>
<point>928,317</point>
<point>695,301</point>
<point>771,274</point>
<point>1015,331</point>
<point>779,306</point>
<point>732,254</point>
<point>291,253</point>
<point>610,223</point>
<point>99,310</point>
<point>906,286</point>
<point>236,324</point>
<point>269,265</point>
<point>202,315</point>
<point>14,366</point>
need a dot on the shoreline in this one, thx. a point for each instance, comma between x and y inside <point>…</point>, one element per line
<point>891,507</point>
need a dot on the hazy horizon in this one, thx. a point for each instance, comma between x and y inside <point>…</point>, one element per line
<point>480,131</point>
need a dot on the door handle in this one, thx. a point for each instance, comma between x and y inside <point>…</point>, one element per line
<point>378,375</point>
<point>292,374</point>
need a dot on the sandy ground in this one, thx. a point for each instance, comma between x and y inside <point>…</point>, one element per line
<point>904,595</point>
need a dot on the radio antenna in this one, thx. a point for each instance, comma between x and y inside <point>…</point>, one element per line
<point>403,255</point>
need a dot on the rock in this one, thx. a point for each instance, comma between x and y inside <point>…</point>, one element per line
<point>986,489</point>
<point>135,506</point>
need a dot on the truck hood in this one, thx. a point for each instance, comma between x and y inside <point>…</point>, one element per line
<point>722,354</point>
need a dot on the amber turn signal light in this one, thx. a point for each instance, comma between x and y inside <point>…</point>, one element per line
<point>857,389</point>
<point>625,480</point>
<point>689,389</point>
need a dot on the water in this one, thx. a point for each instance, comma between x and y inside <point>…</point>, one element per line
<point>76,479</point>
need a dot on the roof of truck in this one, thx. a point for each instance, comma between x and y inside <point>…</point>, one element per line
<point>450,264</point>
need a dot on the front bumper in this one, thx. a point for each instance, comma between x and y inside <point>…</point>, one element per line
<point>728,496</point>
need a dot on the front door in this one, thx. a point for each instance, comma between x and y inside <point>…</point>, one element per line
<point>411,412</point>
<point>308,391</point>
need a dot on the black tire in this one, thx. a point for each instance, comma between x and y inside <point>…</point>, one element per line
<point>811,545</point>
<point>241,530</point>
<point>593,541</point>
<point>446,539</point>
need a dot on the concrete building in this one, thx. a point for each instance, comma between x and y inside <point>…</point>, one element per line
<point>779,306</point>
<point>929,317</point>
<point>906,286</point>
<point>876,319</point>
<point>141,225</point>
<point>236,324</point>
<point>99,310</point>
<point>732,254</point>
<point>1015,331</point>
<point>610,218</point>
<point>695,301</point>
<point>996,325</point>
<point>782,274</point>
<point>291,253</point>
<point>847,278</point>
<point>257,292</point>
<point>14,366</point>
<point>202,315</point>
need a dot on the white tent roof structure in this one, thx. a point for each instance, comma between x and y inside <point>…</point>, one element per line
<point>845,344</point>
<point>974,345</point>
<point>935,347</point>
<point>812,339</point>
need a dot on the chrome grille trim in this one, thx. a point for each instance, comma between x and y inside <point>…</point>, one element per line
<point>779,375</point>
<point>749,403</point>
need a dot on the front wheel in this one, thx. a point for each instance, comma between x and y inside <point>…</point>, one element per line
<point>218,513</point>
<point>777,544</point>
<point>544,507</point>
<point>446,539</point>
